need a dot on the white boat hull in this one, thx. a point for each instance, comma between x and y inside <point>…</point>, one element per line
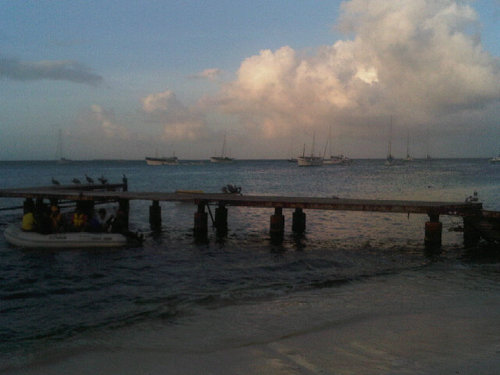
<point>221,159</point>
<point>16,236</point>
<point>309,161</point>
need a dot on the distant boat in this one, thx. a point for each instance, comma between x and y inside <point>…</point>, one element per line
<point>59,153</point>
<point>408,156</point>
<point>496,159</point>
<point>309,161</point>
<point>222,158</point>
<point>334,159</point>
<point>172,160</point>
<point>390,159</point>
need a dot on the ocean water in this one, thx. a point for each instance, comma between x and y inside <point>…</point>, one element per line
<point>356,294</point>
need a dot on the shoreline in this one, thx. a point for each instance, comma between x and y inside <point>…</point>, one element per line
<point>431,321</point>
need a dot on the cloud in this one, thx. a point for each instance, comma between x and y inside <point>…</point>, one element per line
<point>211,74</point>
<point>63,70</point>
<point>179,122</point>
<point>419,60</point>
<point>105,120</point>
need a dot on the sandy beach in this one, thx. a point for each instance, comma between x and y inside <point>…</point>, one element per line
<point>432,322</point>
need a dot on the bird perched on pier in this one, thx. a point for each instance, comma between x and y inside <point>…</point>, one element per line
<point>55,182</point>
<point>76,181</point>
<point>90,180</point>
<point>103,180</point>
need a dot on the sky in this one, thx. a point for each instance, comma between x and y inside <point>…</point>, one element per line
<point>128,79</point>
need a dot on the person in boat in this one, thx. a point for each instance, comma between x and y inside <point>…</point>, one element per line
<point>29,223</point>
<point>79,220</point>
<point>119,224</point>
<point>55,219</point>
<point>42,217</point>
<point>99,222</point>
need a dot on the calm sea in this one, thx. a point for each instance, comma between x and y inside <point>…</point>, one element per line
<point>52,300</point>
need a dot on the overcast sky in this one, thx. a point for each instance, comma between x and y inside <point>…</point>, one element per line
<point>125,79</point>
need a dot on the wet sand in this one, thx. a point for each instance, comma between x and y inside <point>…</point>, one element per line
<point>418,322</point>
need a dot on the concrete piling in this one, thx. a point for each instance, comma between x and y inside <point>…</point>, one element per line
<point>221,220</point>
<point>277,229</point>
<point>155,216</point>
<point>471,233</point>
<point>201,223</point>
<point>433,231</point>
<point>299,221</point>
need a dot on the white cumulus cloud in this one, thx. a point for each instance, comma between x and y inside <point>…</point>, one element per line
<point>419,60</point>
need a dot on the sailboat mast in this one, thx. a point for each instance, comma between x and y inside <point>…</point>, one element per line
<point>59,145</point>
<point>408,145</point>
<point>389,154</point>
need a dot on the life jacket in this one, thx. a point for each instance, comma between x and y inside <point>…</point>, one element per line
<point>79,220</point>
<point>28,223</point>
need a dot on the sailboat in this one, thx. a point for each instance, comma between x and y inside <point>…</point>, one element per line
<point>222,158</point>
<point>59,153</point>
<point>334,159</point>
<point>390,159</point>
<point>496,159</point>
<point>309,161</point>
<point>408,156</point>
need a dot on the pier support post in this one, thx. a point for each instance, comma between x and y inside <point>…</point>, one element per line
<point>471,233</point>
<point>155,216</point>
<point>299,221</point>
<point>125,183</point>
<point>124,206</point>
<point>433,231</point>
<point>221,220</point>
<point>201,223</point>
<point>277,229</point>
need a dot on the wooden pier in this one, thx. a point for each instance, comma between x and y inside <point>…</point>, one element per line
<point>471,212</point>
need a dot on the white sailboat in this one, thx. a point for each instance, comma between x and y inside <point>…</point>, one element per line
<point>334,159</point>
<point>390,159</point>
<point>222,158</point>
<point>408,156</point>
<point>309,161</point>
<point>59,153</point>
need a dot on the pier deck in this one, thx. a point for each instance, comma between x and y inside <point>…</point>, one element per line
<point>476,222</point>
<point>269,201</point>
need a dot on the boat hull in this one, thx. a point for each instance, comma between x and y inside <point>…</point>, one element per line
<point>221,159</point>
<point>309,161</point>
<point>162,161</point>
<point>15,236</point>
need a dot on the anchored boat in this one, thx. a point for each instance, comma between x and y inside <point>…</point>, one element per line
<point>16,236</point>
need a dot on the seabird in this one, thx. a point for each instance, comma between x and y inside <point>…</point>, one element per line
<point>103,180</point>
<point>76,181</point>
<point>89,179</point>
<point>55,182</point>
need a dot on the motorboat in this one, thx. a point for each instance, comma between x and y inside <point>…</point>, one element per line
<point>496,159</point>
<point>16,236</point>
<point>172,160</point>
<point>337,160</point>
